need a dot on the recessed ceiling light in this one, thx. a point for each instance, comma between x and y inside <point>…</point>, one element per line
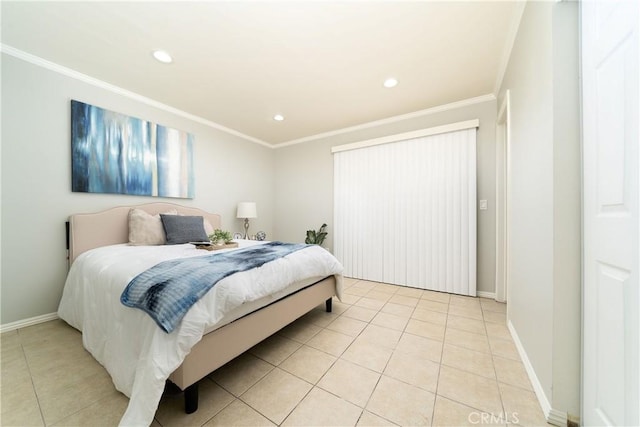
<point>390,82</point>
<point>278,117</point>
<point>162,56</point>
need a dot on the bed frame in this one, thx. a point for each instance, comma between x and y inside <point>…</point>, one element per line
<point>110,227</point>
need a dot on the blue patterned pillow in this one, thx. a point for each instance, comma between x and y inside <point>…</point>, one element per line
<point>183,229</point>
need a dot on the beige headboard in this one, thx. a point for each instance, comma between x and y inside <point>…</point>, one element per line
<point>110,227</point>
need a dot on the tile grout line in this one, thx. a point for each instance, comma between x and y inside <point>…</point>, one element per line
<point>446,323</point>
<point>393,351</point>
<point>381,374</point>
<point>493,364</point>
<point>363,408</point>
<point>319,379</point>
<point>313,386</point>
<point>228,404</point>
<point>44,423</point>
<point>296,376</point>
<point>33,386</point>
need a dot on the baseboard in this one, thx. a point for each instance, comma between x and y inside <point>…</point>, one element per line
<point>557,418</point>
<point>28,322</point>
<point>553,416</point>
<point>485,294</point>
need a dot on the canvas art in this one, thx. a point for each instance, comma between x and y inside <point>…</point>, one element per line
<point>116,153</point>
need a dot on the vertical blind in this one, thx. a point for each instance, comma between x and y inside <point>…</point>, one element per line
<point>405,212</point>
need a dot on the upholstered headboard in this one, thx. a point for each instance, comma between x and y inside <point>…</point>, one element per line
<point>111,227</point>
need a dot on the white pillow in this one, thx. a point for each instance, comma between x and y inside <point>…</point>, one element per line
<point>146,229</point>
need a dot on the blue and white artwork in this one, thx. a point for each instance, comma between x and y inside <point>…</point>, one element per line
<point>115,153</point>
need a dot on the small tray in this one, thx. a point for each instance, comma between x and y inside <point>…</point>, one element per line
<point>217,247</point>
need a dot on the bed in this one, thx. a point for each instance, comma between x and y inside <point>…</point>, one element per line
<point>138,355</point>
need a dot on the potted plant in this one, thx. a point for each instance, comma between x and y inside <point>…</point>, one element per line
<point>316,237</point>
<point>220,237</point>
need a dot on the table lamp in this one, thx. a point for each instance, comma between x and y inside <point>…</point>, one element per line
<point>246,210</point>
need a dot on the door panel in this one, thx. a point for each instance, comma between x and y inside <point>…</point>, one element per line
<point>611,300</point>
<point>610,320</point>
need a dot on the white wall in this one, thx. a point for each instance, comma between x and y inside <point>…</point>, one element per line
<point>36,179</point>
<point>567,201</point>
<point>304,180</point>
<point>544,292</point>
<point>529,79</point>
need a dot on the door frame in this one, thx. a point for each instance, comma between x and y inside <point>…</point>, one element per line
<point>503,178</point>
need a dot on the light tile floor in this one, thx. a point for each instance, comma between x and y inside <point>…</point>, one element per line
<point>387,355</point>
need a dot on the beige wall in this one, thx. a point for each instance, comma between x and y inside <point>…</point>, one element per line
<point>36,179</point>
<point>544,281</point>
<point>304,180</point>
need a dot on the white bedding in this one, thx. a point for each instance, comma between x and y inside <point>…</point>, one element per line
<point>138,355</point>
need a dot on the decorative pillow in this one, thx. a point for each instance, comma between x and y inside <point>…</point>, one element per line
<point>208,228</point>
<point>183,229</point>
<point>146,229</point>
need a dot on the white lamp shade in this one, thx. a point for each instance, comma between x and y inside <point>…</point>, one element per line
<point>247,210</point>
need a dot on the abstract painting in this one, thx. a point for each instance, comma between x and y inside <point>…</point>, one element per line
<point>116,153</point>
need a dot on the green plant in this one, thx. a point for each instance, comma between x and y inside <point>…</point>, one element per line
<point>220,235</point>
<point>316,237</point>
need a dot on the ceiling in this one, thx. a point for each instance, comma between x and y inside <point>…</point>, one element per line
<point>320,64</point>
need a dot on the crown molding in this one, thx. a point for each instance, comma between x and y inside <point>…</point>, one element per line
<point>394,119</point>
<point>52,66</point>
<point>436,130</point>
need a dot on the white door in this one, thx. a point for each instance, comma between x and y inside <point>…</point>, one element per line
<point>611,300</point>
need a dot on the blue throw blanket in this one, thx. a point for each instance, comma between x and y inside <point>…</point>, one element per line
<point>167,290</point>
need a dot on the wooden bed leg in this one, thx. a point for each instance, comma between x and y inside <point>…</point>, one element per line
<point>328,304</point>
<point>191,399</point>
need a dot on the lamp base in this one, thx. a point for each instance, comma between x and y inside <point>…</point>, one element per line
<point>246,228</point>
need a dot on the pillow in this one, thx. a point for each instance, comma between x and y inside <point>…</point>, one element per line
<point>183,229</point>
<point>208,228</point>
<point>146,229</point>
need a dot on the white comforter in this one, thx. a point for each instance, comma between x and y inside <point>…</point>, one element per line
<point>138,355</point>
